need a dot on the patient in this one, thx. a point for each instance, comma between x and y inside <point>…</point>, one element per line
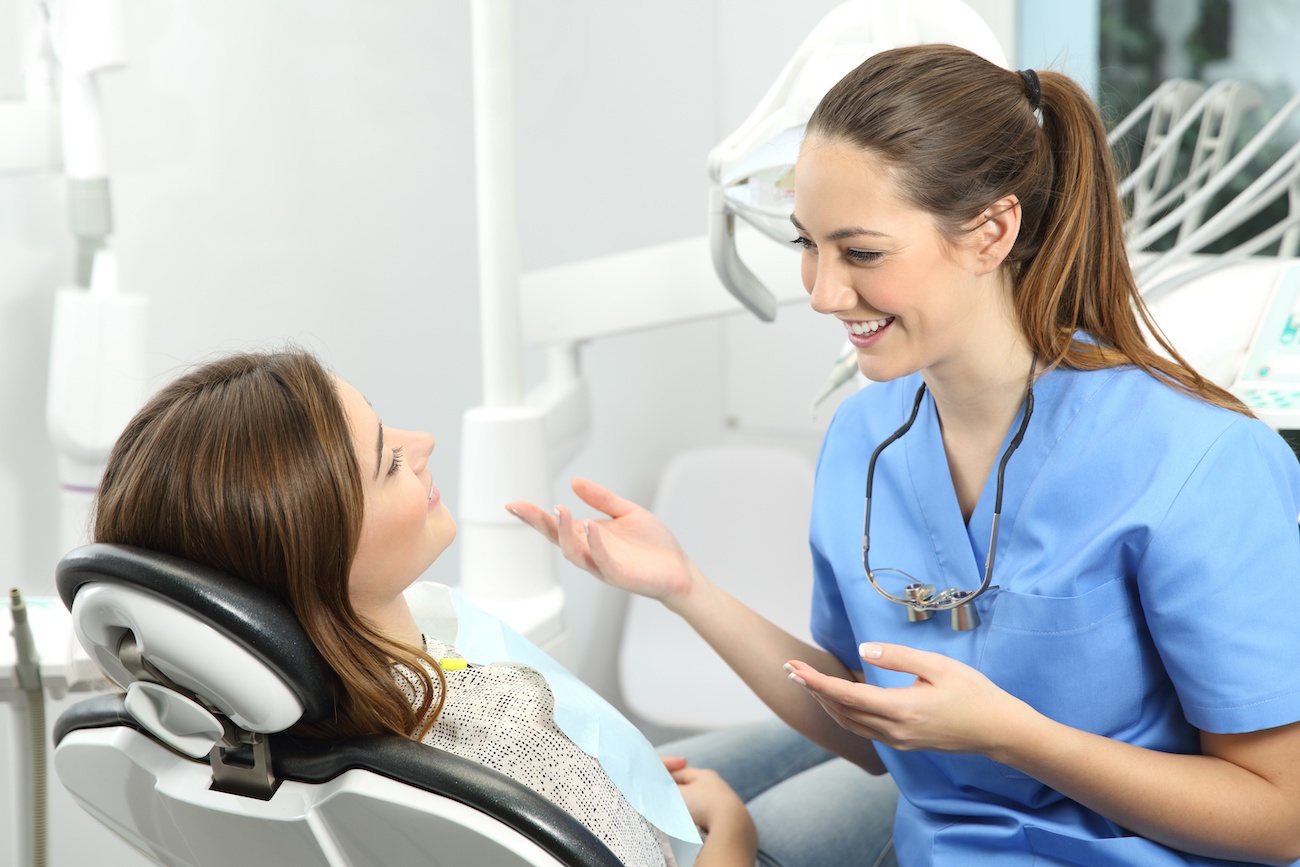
<point>267,467</point>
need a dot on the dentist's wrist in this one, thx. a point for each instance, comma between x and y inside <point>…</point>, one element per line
<point>693,597</point>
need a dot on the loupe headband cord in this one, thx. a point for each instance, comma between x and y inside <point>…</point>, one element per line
<point>942,601</point>
<point>866,510</point>
<point>1020,434</point>
<point>1002,470</point>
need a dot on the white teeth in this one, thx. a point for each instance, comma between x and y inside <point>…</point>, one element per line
<point>868,327</point>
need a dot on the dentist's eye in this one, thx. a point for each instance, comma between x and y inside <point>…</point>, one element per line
<point>397,461</point>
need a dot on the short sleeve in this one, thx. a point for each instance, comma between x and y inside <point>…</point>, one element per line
<point>1218,583</point>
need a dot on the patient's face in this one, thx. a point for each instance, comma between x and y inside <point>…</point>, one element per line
<point>406,525</point>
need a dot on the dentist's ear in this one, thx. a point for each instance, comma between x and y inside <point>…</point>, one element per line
<point>996,234</point>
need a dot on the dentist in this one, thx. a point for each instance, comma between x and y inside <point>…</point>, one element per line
<point>1112,536</point>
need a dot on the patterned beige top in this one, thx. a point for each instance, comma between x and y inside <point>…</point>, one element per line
<point>502,716</point>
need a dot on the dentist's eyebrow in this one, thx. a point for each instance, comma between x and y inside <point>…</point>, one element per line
<point>379,456</point>
<point>842,234</point>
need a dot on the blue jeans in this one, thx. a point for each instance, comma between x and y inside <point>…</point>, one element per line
<point>812,809</point>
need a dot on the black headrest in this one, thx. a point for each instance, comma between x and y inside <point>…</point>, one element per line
<point>249,615</point>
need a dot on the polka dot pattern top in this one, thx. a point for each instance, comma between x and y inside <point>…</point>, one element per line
<point>502,716</point>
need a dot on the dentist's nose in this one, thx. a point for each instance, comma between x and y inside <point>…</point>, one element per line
<point>829,290</point>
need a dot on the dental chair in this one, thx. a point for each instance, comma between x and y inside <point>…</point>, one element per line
<point>191,765</point>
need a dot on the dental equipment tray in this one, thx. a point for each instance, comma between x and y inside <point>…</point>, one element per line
<point>1269,380</point>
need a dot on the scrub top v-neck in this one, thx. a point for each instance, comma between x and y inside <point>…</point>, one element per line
<point>1134,518</point>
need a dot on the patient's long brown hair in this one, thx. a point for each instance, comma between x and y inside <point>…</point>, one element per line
<point>246,464</point>
<point>961,133</point>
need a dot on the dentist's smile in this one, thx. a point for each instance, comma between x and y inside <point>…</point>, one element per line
<point>863,333</point>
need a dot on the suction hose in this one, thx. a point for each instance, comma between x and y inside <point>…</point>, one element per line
<point>29,679</point>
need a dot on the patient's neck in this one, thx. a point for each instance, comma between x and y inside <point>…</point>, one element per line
<point>394,620</point>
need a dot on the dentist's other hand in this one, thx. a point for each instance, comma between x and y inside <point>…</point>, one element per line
<point>950,707</point>
<point>631,549</point>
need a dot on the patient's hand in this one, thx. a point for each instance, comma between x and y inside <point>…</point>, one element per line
<point>631,549</point>
<point>730,836</point>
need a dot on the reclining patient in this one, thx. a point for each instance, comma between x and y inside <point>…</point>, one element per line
<point>268,468</point>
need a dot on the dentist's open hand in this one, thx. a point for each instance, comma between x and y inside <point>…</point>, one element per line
<point>950,708</point>
<point>631,549</point>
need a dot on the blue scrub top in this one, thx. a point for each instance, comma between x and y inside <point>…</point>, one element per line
<point>1147,563</point>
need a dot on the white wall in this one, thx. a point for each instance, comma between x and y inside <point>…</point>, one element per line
<point>287,171</point>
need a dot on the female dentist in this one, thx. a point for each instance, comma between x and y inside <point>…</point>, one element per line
<point>1059,616</point>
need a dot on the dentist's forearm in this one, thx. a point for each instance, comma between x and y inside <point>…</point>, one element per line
<point>1204,804</point>
<point>756,649</point>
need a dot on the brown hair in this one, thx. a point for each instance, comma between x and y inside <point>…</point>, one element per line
<point>246,464</point>
<point>961,133</point>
